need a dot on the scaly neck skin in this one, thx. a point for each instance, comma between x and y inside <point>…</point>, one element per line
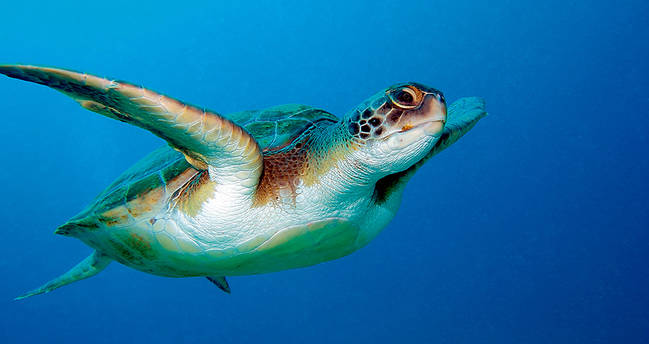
<point>353,172</point>
<point>341,169</point>
<point>373,196</point>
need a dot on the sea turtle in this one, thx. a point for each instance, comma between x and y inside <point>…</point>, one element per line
<point>255,191</point>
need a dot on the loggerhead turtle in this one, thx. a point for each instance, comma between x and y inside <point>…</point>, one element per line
<point>255,191</point>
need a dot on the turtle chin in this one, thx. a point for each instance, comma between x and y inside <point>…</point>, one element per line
<point>402,149</point>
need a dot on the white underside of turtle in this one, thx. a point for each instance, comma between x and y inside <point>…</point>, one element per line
<point>255,191</point>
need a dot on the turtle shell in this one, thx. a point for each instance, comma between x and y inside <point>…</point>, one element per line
<point>279,125</point>
<point>156,179</point>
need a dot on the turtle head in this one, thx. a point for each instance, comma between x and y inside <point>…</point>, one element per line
<point>396,127</point>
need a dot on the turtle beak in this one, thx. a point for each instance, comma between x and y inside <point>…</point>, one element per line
<point>431,114</point>
<point>435,107</point>
<point>426,121</point>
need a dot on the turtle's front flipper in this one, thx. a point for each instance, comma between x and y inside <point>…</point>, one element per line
<point>463,114</point>
<point>205,138</point>
<point>87,268</point>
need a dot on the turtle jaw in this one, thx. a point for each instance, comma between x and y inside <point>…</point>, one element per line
<point>427,120</point>
<point>406,136</point>
<point>401,149</point>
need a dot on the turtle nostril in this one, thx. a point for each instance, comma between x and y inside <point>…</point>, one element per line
<point>440,96</point>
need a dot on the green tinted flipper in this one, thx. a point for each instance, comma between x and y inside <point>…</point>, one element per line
<point>462,115</point>
<point>220,282</point>
<point>88,267</point>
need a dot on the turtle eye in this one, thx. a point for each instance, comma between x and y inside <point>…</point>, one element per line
<point>406,97</point>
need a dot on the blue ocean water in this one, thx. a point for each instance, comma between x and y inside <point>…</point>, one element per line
<point>533,228</point>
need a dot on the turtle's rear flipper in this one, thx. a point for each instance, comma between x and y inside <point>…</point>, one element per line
<point>88,267</point>
<point>220,282</point>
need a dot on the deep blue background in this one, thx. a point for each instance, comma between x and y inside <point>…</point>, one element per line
<point>534,228</point>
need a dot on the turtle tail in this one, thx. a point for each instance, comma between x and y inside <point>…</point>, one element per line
<point>74,228</point>
<point>88,267</point>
